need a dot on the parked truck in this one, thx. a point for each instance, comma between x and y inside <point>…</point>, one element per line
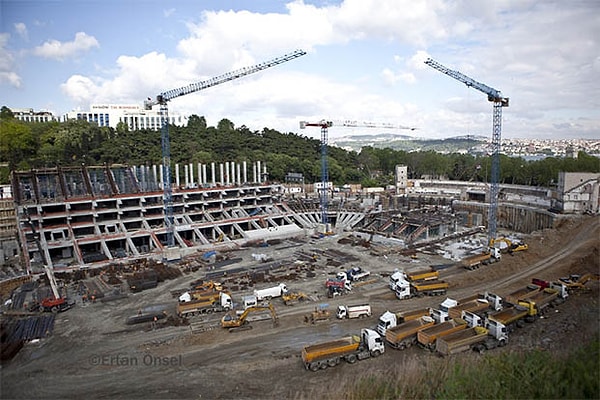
<point>428,336</point>
<point>220,301</point>
<point>487,257</point>
<point>474,306</point>
<point>522,294</point>
<point>476,338</point>
<point>406,290</point>
<point>349,349</point>
<point>354,274</point>
<point>405,335</point>
<point>512,317</point>
<point>269,293</point>
<point>541,300</point>
<point>401,278</point>
<point>389,319</point>
<point>355,311</point>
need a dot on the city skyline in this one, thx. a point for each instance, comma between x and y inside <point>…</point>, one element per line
<point>365,62</point>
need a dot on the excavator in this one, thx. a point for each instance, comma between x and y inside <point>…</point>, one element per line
<point>240,323</point>
<point>510,247</point>
<point>576,282</point>
<point>293,297</point>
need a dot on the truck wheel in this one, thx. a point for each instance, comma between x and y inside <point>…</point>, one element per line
<point>351,358</point>
<point>323,365</point>
<point>313,367</point>
<point>332,362</point>
<point>502,343</point>
<point>375,353</point>
<point>54,309</point>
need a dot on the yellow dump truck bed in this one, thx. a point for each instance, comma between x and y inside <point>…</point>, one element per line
<point>473,306</point>
<point>318,351</point>
<point>461,340</point>
<point>428,336</point>
<point>394,336</point>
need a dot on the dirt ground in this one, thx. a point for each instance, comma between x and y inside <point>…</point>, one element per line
<point>94,354</point>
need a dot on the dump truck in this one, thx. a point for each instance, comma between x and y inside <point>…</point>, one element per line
<point>476,338</point>
<point>473,303</point>
<point>355,311</point>
<point>389,319</point>
<point>541,300</point>
<point>477,260</point>
<point>269,293</point>
<point>402,278</point>
<point>422,276</point>
<point>428,336</point>
<point>522,294</point>
<point>220,301</point>
<point>512,317</point>
<point>406,290</point>
<point>405,335</point>
<point>349,349</point>
<point>474,306</point>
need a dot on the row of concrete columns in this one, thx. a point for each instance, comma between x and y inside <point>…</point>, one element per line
<point>229,174</point>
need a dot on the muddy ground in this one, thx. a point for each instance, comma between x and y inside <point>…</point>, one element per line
<point>94,354</point>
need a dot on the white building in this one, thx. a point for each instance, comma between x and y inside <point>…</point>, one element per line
<point>577,192</point>
<point>133,115</point>
<point>28,115</point>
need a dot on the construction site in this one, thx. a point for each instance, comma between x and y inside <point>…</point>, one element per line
<point>125,282</point>
<point>117,316</point>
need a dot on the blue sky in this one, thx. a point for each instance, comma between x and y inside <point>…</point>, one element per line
<point>364,62</point>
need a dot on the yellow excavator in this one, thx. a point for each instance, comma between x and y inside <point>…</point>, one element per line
<point>293,297</point>
<point>576,282</point>
<point>510,247</point>
<point>240,323</point>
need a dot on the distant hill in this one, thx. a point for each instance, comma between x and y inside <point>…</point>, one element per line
<point>467,144</point>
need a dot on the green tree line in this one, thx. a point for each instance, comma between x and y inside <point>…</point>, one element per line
<point>28,145</point>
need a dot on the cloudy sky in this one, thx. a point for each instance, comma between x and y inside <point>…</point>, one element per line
<point>365,61</point>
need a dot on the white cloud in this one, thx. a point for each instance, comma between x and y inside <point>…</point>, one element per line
<point>543,55</point>
<point>21,30</point>
<point>7,73</point>
<point>61,50</point>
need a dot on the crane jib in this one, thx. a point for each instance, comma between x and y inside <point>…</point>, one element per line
<point>229,76</point>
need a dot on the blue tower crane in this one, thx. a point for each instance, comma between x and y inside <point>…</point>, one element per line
<point>163,98</point>
<point>325,125</point>
<point>499,101</point>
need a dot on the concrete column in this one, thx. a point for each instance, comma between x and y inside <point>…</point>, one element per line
<point>258,169</point>
<point>200,181</point>
<point>244,175</point>
<point>192,175</point>
<point>214,180</point>
<point>154,176</point>
<point>254,172</point>
<point>204,177</point>
<point>264,174</point>
<point>177,175</point>
<point>162,178</point>
<point>221,173</point>
<point>186,173</point>
<point>239,178</point>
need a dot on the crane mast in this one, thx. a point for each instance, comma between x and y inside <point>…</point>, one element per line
<point>325,125</point>
<point>163,98</point>
<point>499,101</point>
